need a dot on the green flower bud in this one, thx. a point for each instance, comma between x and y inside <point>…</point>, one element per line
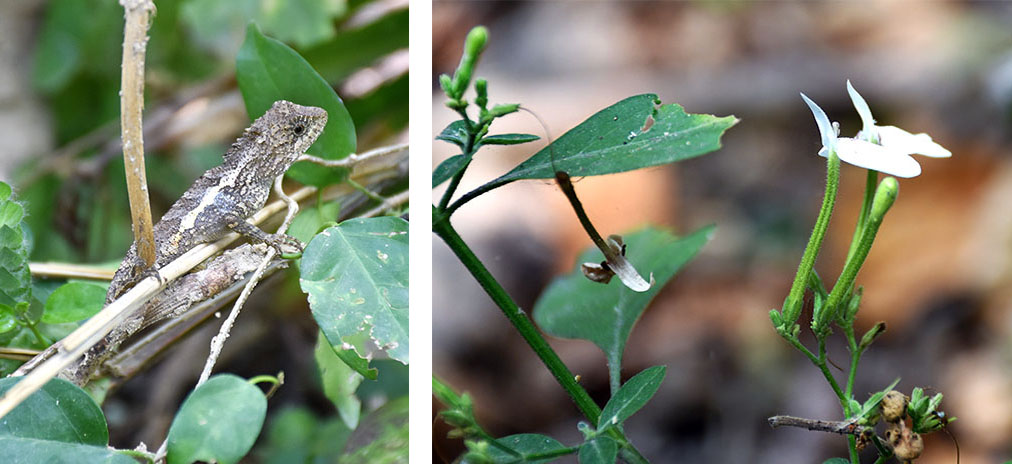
<point>502,110</point>
<point>871,335</point>
<point>885,196</point>
<point>481,88</point>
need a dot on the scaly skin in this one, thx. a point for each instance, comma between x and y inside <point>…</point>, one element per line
<point>222,198</point>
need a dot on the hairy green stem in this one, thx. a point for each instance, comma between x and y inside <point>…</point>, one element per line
<point>869,192</point>
<point>824,367</point>
<point>885,195</point>
<point>792,306</point>
<point>442,227</point>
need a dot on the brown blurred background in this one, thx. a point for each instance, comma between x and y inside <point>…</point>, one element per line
<point>940,273</point>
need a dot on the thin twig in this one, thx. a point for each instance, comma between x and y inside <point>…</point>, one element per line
<point>218,342</point>
<point>353,158</point>
<point>847,427</point>
<point>135,41</point>
<point>388,204</point>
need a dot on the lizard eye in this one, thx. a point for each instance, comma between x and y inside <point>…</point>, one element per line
<point>299,129</point>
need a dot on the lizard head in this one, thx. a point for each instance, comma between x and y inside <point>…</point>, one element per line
<point>283,134</point>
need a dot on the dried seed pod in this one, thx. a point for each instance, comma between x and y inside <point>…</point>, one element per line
<point>909,446</point>
<point>894,406</point>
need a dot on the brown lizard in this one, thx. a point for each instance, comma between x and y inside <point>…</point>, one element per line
<point>218,202</point>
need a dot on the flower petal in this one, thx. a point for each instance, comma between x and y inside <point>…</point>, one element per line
<point>898,139</point>
<point>862,109</point>
<point>876,157</point>
<point>825,127</point>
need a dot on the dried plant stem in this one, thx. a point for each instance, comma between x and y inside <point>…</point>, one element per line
<point>69,271</point>
<point>135,41</point>
<point>354,158</point>
<point>848,427</point>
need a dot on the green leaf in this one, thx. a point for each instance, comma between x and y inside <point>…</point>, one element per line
<point>59,411</point>
<point>449,168</point>
<point>339,381</point>
<point>74,301</point>
<point>219,421</point>
<point>455,133</point>
<point>310,220</point>
<point>15,277</point>
<point>870,407</point>
<point>633,395</point>
<point>508,139</point>
<point>526,444</point>
<point>575,307</point>
<point>836,461</point>
<point>302,22</point>
<point>599,450</point>
<point>21,450</point>
<point>382,437</point>
<point>356,275</point>
<point>353,49</point>
<point>613,140</point>
<point>267,71</point>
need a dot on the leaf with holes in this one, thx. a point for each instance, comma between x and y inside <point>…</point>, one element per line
<point>356,275</point>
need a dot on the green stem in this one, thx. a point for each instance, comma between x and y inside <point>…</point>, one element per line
<point>792,306</point>
<point>885,195</point>
<point>855,357</point>
<point>852,450</point>
<point>442,227</point>
<point>869,192</point>
<point>361,188</point>
<point>819,362</point>
<point>448,210</point>
<point>824,367</point>
<point>516,316</point>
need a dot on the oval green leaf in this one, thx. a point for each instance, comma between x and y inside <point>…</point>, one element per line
<point>614,140</point>
<point>526,444</point>
<point>633,395</point>
<point>356,275</point>
<point>267,71</point>
<point>218,422</point>
<point>448,168</point>
<point>508,139</point>
<point>74,301</point>
<point>382,437</point>
<point>599,450</point>
<point>339,381</point>
<point>575,307</point>
<point>20,450</point>
<point>58,412</point>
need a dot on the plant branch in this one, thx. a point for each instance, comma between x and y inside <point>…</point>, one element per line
<point>518,318</point>
<point>847,427</point>
<point>135,41</point>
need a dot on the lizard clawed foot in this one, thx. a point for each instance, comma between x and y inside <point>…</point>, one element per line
<point>286,245</point>
<point>152,272</point>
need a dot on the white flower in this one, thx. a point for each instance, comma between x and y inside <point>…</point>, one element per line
<point>891,153</point>
<point>891,136</point>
